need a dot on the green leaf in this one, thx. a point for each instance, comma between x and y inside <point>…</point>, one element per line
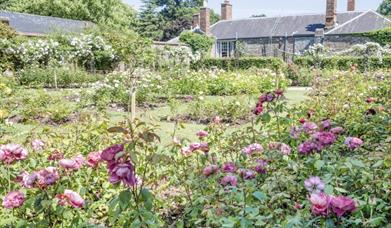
<point>319,164</point>
<point>124,198</point>
<point>260,196</point>
<point>378,164</point>
<point>147,198</point>
<point>341,190</point>
<point>357,163</point>
<point>329,189</point>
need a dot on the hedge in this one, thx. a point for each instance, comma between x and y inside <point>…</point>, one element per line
<point>239,64</point>
<point>345,62</point>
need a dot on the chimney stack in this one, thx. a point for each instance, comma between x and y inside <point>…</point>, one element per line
<point>205,20</point>
<point>351,5</point>
<point>226,10</point>
<point>196,20</point>
<point>331,14</point>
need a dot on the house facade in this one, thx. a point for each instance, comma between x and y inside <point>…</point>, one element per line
<point>287,36</point>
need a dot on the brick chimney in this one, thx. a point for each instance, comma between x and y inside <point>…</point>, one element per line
<point>226,10</point>
<point>331,14</point>
<point>205,20</point>
<point>196,20</point>
<point>351,5</point>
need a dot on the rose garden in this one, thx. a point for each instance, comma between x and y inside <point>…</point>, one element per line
<point>103,130</point>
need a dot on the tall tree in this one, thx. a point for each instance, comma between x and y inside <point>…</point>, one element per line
<point>166,19</point>
<point>385,8</point>
<point>108,12</point>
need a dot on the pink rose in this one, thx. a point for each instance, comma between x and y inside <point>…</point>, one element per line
<point>202,134</point>
<point>336,130</point>
<point>93,159</point>
<point>253,148</point>
<point>217,120</point>
<point>342,205</point>
<point>74,199</point>
<point>353,142</point>
<point>13,200</point>
<point>309,127</point>
<point>37,145</point>
<point>12,152</point>
<point>70,198</point>
<point>27,180</point>
<point>247,174</point>
<point>72,164</point>
<point>229,180</point>
<point>56,156</point>
<point>211,169</point>
<point>47,176</point>
<point>319,203</point>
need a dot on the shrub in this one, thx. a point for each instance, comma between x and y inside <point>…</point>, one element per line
<point>345,63</point>
<point>229,64</point>
<point>197,42</point>
<point>381,36</point>
<point>65,77</point>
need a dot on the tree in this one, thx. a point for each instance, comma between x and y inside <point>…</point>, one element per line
<point>197,42</point>
<point>107,12</point>
<point>166,19</point>
<point>385,8</point>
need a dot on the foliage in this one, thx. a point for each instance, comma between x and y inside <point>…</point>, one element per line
<point>385,8</point>
<point>346,62</point>
<point>166,19</point>
<point>300,76</point>
<point>239,64</point>
<point>197,42</point>
<point>51,77</point>
<point>381,36</point>
<point>114,13</point>
<point>6,31</point>
<point>174,57</point>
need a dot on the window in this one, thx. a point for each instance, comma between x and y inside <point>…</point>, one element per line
<point>226,49</point>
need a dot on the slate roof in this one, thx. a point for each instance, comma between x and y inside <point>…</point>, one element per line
<point>300,25</point>
<point>35,25</point>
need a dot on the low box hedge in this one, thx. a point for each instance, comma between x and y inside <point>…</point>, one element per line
<point>345,62</point>
<point>239,64</point>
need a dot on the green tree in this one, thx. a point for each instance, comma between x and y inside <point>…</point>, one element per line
<point>385,8</point>
<point>166,19</point>
<point>197,42</point>
<point>107,12</point>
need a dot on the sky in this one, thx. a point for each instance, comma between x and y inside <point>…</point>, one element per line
<point>247,8</point>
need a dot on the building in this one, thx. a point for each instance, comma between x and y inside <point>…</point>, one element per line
<point>288,35</point>
<point>35,25</point>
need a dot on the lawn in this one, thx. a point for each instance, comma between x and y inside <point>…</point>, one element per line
<point>19,131</point>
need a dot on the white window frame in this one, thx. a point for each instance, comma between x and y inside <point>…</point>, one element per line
<point>229,47</point>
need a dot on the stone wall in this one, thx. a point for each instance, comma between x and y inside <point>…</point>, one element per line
<point>285,47</point>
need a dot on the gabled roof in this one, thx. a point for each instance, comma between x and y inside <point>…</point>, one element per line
<point>35,25</point>
<point>304,25</point>
<point>366,22</point>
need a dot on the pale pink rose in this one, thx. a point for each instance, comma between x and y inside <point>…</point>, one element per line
<point>37,145</point>
<point>13,200</point>
<point>74,199</point>
<point>72,164</point>
<point>202,134</point>
<point>229,180</point>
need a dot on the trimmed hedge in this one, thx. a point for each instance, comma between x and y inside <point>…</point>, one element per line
<point>240,64</point>
<point>345,62</point>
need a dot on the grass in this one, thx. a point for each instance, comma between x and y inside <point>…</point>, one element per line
<point>19,132</point>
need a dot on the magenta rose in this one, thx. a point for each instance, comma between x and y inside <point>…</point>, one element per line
<point>47,176</point>
<point>13,200</point>
<point>253,148</point>
<point>202,134</point>
<point>309,127</point>
<point>229,167</point>
<point>123,172</point>
<point>342,205</point>
<point>109,153</point>
<point>324,138</point>
<point>247,174</point>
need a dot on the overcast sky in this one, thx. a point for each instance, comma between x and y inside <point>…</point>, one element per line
<point>246,8</point>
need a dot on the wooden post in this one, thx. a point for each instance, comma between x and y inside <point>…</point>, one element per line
<point>55,80</point>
